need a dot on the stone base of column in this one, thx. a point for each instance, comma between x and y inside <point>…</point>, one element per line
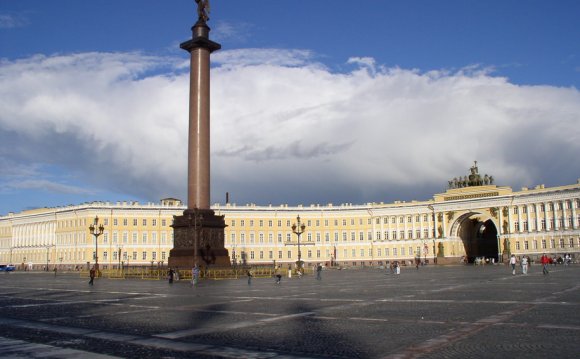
<point>199,239</point>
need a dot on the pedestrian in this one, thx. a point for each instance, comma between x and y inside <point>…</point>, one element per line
<point>513,261</point>
<point>524,265</point>
<point>250,275</point>
<point>170,275</point>
<point>194,275</point>
<point>319,271</point>
<point>545,261</point>
<point>397,268</point>
<point>54,271</point>
<point>278,275</point>
<point>177,273</point>
<point>92,275</point>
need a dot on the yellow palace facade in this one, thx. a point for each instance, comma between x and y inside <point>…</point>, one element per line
<point>463,223</point>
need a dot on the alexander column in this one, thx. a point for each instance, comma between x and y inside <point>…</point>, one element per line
<point>199,233</point>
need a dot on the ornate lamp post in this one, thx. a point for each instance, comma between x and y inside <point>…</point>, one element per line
<point>96,230</point>
<point>120,251</point>
<point>298,228</point>
<point>47,254</point>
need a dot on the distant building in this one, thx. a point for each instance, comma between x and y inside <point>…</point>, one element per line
<point>464,223</point>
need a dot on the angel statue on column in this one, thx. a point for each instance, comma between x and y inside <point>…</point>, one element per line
<point>202,9</point>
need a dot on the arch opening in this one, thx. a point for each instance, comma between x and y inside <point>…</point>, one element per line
<point>479,238</point>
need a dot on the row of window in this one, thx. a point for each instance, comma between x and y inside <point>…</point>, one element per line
<point>554,243</point>
<point>125,222</point>
<point>549,208</point>
<point>144,238</point>
<point>344,221</point>
<point>418,218</point>
<point>552,224</point>
<point>317,254</point>
<point>125,256</point>
<point>310,237</point>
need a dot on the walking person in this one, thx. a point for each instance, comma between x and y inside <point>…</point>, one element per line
<point>194,276</point>
<point>250,275</point>
<point>170,275</point>
<point>545,261</point>
<point>319,272</point>
<point>92,275</point>
<point>278,275</point>
<point>524,265</point>
<point>513,261</point>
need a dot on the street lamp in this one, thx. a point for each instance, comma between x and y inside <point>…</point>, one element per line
<point>434,233</point>
<point>299,228</point>
<point>96,230</point>
<point>47,252</point>
<point>120,251</point>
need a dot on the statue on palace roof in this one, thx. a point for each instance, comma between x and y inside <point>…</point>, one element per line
<point>474,179</point>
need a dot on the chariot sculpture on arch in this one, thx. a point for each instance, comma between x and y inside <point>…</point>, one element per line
<point>474,179</point>
<point>202,10</point>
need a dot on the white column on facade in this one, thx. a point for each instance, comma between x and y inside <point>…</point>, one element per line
<point>397,224</point>
<point>528,218</point>
<point>434,231</point>
<point>521,217</point>
<point>500,222</point>
<point>510,221</point>
<point>565,224</point>
<point>546,219</point>
<point>444,227</point>
<point>574,214</point>
<point>537,215</point>
<point>555,216</point>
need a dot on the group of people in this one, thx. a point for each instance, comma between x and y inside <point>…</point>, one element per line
<point>278,273</point>
<point>524,262</point>
<point>545,260</point>
<point>395,267</point>
<point>174,275</point>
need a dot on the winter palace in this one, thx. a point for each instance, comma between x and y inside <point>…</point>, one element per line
<point>472,219</point>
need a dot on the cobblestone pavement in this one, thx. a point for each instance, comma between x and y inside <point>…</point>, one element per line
<point>434,312</point>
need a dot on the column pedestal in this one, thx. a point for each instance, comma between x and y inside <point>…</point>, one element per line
<point>199,239</point>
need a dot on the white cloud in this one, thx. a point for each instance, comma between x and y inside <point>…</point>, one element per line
<point>10,21</point>
<point>268,57</point>
<point>284,128</point>
<point>48,186</point>
<point>227,31</point>
<point>367,62</point>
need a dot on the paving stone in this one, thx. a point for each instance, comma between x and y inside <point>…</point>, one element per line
<point>433,312</point>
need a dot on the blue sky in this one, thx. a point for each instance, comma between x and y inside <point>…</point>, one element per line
<point>324,101</point>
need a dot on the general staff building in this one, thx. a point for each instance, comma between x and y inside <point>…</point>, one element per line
<point>461,224</point>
